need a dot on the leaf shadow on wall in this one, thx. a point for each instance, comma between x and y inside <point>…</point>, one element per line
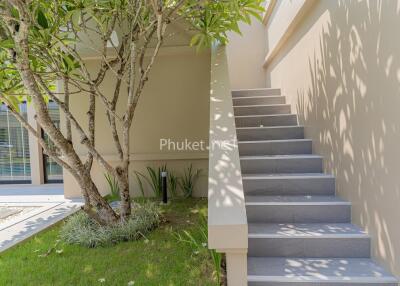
<point>353,106</point>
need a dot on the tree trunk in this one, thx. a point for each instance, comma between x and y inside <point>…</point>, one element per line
<point>123,181</point>
<point>98,208</point>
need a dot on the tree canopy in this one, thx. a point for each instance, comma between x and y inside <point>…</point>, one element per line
<point>44,42</point>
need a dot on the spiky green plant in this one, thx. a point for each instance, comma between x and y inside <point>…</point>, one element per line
<point>140,183</point>
<point>113,186</point>
<point>197,239</point>
<point>189,179</point>
<point>153,179</point>
<point>173,182</point>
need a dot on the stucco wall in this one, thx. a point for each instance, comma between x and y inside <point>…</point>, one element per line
<point>246,55</point>
<point>340,70</point>
<point>175,105</point>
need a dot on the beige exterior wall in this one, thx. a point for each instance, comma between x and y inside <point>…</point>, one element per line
<point>175,105</point>
<point>246,55</point>
<point>283,14</point>
<point>340,70</point>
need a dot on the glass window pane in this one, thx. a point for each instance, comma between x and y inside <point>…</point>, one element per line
<point>14,147</point>
<point>53,170</point>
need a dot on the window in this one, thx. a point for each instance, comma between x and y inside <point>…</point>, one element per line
<point>14,148</point>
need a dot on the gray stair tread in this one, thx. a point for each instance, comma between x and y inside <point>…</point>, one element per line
<point>292,230</point>
<point>265,115</point>
<point>292,156</point>
<point>269,127</point>
<point>236,91</point>
<point>261,105</point>
<point>345,270</point>
<point>255,96</point>
<point>275,141</point>
<point>286,176</point>
<point>259,88</point>
<point>294,200</point>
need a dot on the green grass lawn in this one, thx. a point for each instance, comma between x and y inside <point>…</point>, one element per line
<point>160,260</point>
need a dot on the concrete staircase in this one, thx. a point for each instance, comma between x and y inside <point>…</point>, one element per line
<point>300,233</point>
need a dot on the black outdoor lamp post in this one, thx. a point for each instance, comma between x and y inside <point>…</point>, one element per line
<point>164,187</point>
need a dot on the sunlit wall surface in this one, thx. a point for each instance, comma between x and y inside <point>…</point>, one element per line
<point>14,148</point>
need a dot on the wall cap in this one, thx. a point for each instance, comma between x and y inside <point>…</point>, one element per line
<point>227,220</point>
<point>301,13</point>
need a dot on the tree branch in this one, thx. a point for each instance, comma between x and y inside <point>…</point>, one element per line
<point>84,138</point>
<point>46,149</point>
<point>66,103</point>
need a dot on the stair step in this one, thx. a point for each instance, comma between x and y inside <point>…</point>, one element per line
<point>258,100</point>
<point>297,209</point>
<point>275,147</point>
<point>256,92</point>
<point>261,109</point>
<point>299,231</point>
<point>270,133</point>
<point>266,120</point>
<point>265,271</point>
<point>308,240</point>
<point>289,184</point>
<point>281,164</point>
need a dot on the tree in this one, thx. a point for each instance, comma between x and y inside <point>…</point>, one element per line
<point>41,43</point>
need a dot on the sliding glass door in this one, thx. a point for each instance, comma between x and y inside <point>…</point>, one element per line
<point>52,171</point>
<point>15,164</point>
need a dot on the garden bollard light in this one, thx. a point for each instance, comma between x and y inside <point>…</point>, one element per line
<point>164,187</point>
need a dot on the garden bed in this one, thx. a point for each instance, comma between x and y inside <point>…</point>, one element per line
<point>160,259</point>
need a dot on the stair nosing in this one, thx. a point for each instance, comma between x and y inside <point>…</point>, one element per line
<point>286,176</point>
<point>274,157</point>
<point>316,202</point>
<point>252,89</point>
<point>356,232</point>
<point>262,105</point>
<point>328,279</point>
<point>260,96</point>
<point>273,141</point>
<point>265,115</point>
<point>266,127</point>
<point>335,203</point>
<point>329,236</point>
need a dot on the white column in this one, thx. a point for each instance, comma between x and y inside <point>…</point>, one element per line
<point>35,150</point>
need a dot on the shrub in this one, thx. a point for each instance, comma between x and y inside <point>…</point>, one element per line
<point>82,230</point>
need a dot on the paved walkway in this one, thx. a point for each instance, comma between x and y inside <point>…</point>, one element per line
<point>48,207</point>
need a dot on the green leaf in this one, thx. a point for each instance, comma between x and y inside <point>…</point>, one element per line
<point>255,15</point>
<point>213,19</point>
<point>68,41</point>
<point>42,20</point>
<point>195,39</point>
<point>7,44</point>
<point>14,102</point>
<point>236,29</point>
